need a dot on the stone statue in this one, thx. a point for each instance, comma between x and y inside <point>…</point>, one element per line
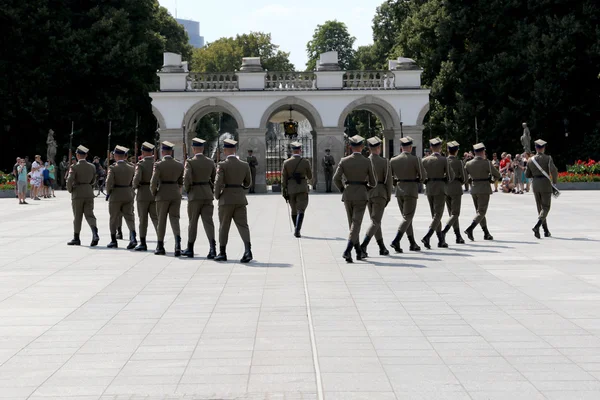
<point>51,151</point>
<point>526,138</point>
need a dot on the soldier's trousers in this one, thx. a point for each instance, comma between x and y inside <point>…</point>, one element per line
<point>408,207</point>
<point>253,175</point>
<point>328,179</point>
<point>298,202</point>
<point>204,209</point>
<point>83,207</point>
<point>355,211</point>
<point>543,201</point>
<point>376,207</point>
<point>168,208</point>
<point>436,205</point>
<point>118,209</point>
<point>144,208</point>
<point>239,214</point>
<point>481,202</point>
<point>453,204</point>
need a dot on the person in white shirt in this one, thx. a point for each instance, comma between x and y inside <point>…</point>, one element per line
<point>36,177</point>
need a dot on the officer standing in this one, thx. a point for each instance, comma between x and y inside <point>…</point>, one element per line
<point>146,205</point>
<point>198,182</point>
<point>359,179</point>
<point>165,185</point>
<point>253,163</point>
<point>80,182</point>
<point>482,173</point>
<point>454,191</point>
<point>379,197</point>
<point>408,172</point>
<point>438,175</point>
<point>233,177</point>
<point>295,176</point>
<point>544,173</point>
<point>120,197</point>
<point>328,162</point>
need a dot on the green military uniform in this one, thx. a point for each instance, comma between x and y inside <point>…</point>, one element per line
<point>198,181</point>
<point>408,172</point>
<point>165,185</point>
<point>252,163</point>
<point>438,175</point>
<point>359,178</point>
<point>80,182</point>
<point>481,173</point>
<point>328,162</point>
<point>145,202</point>
<point>542,186</point>
<point>379,197</point>
<point>454,192</point>
<point>233,177</point>
<point>295,176</point>
<point>120,198</point>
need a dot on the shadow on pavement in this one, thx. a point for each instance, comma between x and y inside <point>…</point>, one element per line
<point>402,265</point>
<point>269,265</point>
<point>324,238</point>
<point>573,239</point>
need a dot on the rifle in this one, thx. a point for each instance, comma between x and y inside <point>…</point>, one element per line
<point>71,142</point>
<point>185,155</point>
<point>108,148</point>
<point>135,143</point>
<point>156,141</point>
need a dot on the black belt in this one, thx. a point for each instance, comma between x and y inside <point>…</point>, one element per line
<point>356,183</point>
<point>293,179</point>
<point>539,177</point>
<point>233,186</point>
<point>437,179</point>
<point>168,182</point>
<point>144,183</point>
<point>481,180</point>
<point>416,180</point>
<point>122,186</point>
<point>381,183</point>
<point>199,183</point>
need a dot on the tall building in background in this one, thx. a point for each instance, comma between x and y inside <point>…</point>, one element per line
<point>193,30</point>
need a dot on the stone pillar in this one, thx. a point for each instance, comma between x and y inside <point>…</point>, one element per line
<point>327,138</point>
<point>255,140</point>
<point>415,132</point>
<point>389,144</point>
<point>174,136</point>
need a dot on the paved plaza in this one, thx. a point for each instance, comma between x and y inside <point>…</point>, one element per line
<point>516,318</point>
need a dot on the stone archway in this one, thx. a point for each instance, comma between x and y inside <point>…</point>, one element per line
<point>422,115</point>
<point>206,106</point>
<point>381,108</point>
<point>159,117</point>
<point>302,106</point>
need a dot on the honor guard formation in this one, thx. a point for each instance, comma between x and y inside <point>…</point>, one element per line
<point>365,184</point>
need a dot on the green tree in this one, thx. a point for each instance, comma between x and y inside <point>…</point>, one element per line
<point>331,36</point>
<point>366,58</point>
<point>387,23</point>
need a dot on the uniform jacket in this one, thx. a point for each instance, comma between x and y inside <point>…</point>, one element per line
<point>300,166</point>
<point>118,182</point>
<point>328,162</point>
<point>141,179</point>
<point>383,175</point>
<point>480,169</point>
<point>541,184</point>
<point>199,178</point>
<point>409,172</point>
<point>438,174</point>
<point>454,188</point>
<point>82,176</point>
<point>356,169</point>
<point>236,173</point>
<point>252,161</point>
<point>166,179</point>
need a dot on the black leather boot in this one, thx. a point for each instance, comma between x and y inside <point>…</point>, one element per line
<point>546,231</point>
<point>95,237</point>
<point>113,242</point>
<point>359,253</point>
<point>75,241</point>
<point>222,254</point>
<point>413,244</point>
<point>486,233</point>
<point>426,239</point>
<point>469,231</point>
<point>364,246</point>
<point>298,224</point>
<point>459,239</point>
<point>142,246</point>
<point>189,252</point>
<point>347,255</point>
<point>160,248</point>
<point>119,233</point>
<point>132,241</point>
<point>536,229</point>
<point>294,219</point>
<point>177,246</point>
<point>212,253</point>
<point>441,239</point>
<point>382,250</point>
<point>396,242</point>
<point>247,257</point>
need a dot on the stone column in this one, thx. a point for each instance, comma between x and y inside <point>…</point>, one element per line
<point>327,138</point>
<point>174,136</point>
<point>389,144</point>
<point>255,140</point>
<point>415,132</point>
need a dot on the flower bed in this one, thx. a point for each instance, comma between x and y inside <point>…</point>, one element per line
<point>570,177</point>
<point>583,175</point>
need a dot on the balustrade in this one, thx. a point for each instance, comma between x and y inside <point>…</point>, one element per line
<point>212,82</point>
<point>290,81</point>
<point>365,80</point>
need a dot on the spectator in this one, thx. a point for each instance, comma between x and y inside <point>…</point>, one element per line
<point>36,177</point>
<point>22,181</point>
<point>15,173</point>
<point>527,180</point>
<point>505,163</point>
<point>496,164</point>
<point>519,174</point>
<point>507,181</point>
<point>52,170</point>
<point>45,180</point>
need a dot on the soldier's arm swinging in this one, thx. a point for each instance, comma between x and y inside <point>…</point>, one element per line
<point>337,177</point>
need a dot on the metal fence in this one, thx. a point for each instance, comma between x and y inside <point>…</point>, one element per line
<point>278,150</point>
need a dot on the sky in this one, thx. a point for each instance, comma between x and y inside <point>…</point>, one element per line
<point>291,23</point>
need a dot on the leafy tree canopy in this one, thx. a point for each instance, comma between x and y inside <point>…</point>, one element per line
<point>331,36</point>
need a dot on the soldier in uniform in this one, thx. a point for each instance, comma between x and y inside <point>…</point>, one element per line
<point>438,175</point>
<point>359,179</point>
<point>253,163</point>
<point>481,173</point>
<point>80,182</point>
<point>454,191</point>
<point>233,177</point>
<point>198,182</point>
<point>120,197</point>
<point>146,205</point>
<point>165,186</point>
<point>408,174</point>
<point>379,197</point>
<point>328,163</point>
<point>295,176</point>
<point>542,186</point>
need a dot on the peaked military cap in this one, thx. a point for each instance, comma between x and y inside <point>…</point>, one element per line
<point>406,141</point>
<point>197,142</point>
<point>229,143</point>
<point>167,145</point>
<point>121,150</point>
<point>479,147</point>
<point>540,143</point>
<point>435,141</point>
<point>82,150</point>
<point>296,145</point>
<point>356,140</point>
<point>374,141</point>
<point>147,146</point>
<point>250,151</point>
<point>453,145</point>
<point>327,150</point>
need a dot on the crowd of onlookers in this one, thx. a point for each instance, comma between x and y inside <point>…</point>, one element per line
<point>41,177</point>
